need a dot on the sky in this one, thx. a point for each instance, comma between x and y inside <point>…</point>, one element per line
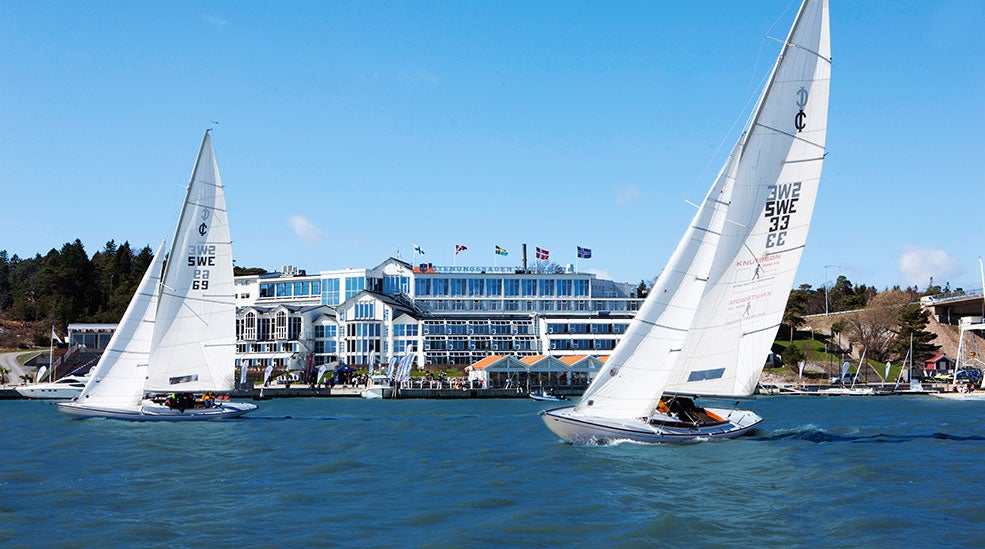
<point>349,132</point>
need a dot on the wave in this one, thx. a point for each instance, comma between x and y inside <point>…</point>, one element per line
<point>817,435</point>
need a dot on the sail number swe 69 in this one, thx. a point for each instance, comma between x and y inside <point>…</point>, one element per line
<point>201,257</point>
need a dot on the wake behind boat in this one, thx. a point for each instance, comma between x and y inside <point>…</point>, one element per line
<point>176,338</point>
<point>714,311</point>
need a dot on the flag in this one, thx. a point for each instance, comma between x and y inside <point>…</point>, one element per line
<point>501,251</point>
<point>242,373</point>
<point>584,253</point>
<point>459,248</point>
<point>542,253</point>
<point>418,249</point>
<point>54,336</point>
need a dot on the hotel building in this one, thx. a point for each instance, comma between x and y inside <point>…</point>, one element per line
<point>445,315</point>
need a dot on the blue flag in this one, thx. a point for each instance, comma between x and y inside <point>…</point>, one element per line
<point>584,253</point>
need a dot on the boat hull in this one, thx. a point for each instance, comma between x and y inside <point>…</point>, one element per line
<point>576,428</point>
<point>377,392</point>
<point>64,389</point>
<point>546,398</point>
<point>156,412</point>
<point>976,395</point>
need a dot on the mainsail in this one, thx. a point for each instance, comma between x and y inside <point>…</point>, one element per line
<point>194,338</point>
<point>708,322</point>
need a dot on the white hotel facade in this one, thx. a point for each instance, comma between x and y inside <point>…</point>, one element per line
<point>445,315</point>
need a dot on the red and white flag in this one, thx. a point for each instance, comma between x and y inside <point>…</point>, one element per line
<point>460,248</point>
<point>542,253</point>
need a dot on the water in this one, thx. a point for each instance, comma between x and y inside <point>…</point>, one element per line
<point>351,472</point>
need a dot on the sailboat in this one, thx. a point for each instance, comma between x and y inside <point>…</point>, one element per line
<point>714,311</point>
<point>177,336</point>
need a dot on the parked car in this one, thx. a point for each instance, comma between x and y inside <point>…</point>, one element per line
<point>970,375</point>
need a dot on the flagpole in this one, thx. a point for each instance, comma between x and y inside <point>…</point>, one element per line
<point>51,354</point>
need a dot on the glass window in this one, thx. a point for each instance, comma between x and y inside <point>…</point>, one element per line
<point>330,292</point>
<point>477,286</point>
<point>353,286</point>
<point>581,287</point>
<point>458,286</point>
<point>511,286</point>
<point>267,290</point>
<point>547,287</point>
<point>422,286</point>
<point>494,287</point>
<point>529,287</point>
<point>440,287</point>
<point>564,286</point>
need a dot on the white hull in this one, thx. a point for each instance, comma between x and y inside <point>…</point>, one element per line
<point>847,391</point>
<point>66,388</point>
<point>976,395</point>
<point>148,411</point>
<point>377,392</point>
<point>546,398</point>
<point>575,428</point>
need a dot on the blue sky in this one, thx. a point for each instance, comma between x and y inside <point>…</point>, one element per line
<point>349,130</point>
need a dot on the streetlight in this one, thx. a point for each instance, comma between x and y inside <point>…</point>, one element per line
<point>826,267</point>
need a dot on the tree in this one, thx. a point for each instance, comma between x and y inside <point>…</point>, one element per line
<point>243,271</point>
<point>874,328</point>
<point>793,315</point>
<point>913,321</point>
<point>641,290</point>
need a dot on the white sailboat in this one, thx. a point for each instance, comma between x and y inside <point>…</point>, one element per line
<point>714,311</point>
<point>177,335</point>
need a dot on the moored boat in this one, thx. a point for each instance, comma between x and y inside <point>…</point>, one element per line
<point>68,387</point>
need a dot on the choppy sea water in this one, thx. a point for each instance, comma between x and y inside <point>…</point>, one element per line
<point>844,471</point>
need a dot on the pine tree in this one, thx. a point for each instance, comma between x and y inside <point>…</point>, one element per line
<point>913,321</point>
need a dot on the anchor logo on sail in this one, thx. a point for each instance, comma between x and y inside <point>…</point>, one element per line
<point>202,229</point>
<point>800,119</point>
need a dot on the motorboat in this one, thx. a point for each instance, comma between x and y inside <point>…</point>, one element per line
<point>380,386</point>
<point>547,395</point>
<point>66,388</point>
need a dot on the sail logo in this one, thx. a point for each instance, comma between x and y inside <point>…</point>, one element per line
<point>780,205</point>
<point>203,228</point>
<point>800,119</point>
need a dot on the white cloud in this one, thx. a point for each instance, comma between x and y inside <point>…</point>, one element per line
<point>627,194</point>
<point>305,228</point>
<point>916,265</point>
<point>217,22</point>
<point>417,77</point>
